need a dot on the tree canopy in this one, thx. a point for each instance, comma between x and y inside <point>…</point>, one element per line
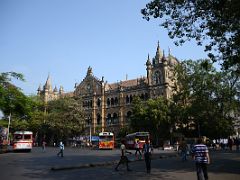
<point>12,100</point>
<point>214,22</point>
<point>65,117</point>
<point>207,98</point>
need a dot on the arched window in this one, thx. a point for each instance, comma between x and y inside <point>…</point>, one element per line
<point>112,102</point>
<point>129,114</point>
<point>115,118</point>
<point>109,119</point>
<point>90,103</point>
<point>98,119</point>
<point>99,102</point>
<point>156,77</point>
<point>131,98</point>
<point>116,101</point>
<point>108,102</point>
<point>127,99</point>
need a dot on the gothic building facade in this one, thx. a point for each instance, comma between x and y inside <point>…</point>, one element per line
<point>108,107</point>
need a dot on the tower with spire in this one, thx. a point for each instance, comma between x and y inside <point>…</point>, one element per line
<point>160,72</point>
<point>47,93</point>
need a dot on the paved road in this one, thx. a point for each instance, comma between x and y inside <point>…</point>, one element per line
<point>37,165</point>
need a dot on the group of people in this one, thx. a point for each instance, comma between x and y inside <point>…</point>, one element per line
<point>61,148</point>
<point>146,150</point>
<point>199,152</point>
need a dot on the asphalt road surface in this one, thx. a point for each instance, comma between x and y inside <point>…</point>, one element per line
<point>95,164</point>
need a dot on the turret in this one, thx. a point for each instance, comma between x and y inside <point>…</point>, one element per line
<point>149,70</point>
<point>164,59</point>
<point>89,72</point>
<point>61,91</point>
<point>48,85</point>
<point>39,90</point>
<point>159,55</point>
<point>55,91</point>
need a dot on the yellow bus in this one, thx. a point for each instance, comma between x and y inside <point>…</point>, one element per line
<point>106,140</point>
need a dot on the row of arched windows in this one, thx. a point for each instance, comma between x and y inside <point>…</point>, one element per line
<point>111,119</point>
<point>129,98</point>
<point>87,104</point>
<point>114,101</point>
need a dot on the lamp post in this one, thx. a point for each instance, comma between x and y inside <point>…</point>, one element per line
<point>171,130</point>
<point>9,121</point>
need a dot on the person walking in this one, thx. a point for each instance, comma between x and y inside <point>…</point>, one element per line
<point>147,150</point>
<point>137,148</point>
<point>201,157</point>
<point>44,146</point>
<point>123,158</point>
<point>61,149</point>
<point>184,149</point>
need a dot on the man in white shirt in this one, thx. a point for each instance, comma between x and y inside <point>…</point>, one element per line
<point>124,158</point>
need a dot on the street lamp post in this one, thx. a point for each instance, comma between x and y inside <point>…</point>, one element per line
<point>9,121</point>
<point>171,130</point>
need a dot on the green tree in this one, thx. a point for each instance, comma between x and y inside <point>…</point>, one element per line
<point>206,97</point>
<point>12,100</point>
<point>215,22</point>
<point>65,117</point>
<point>151,116</point>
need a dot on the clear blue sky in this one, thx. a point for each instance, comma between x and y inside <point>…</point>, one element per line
<point>63,37</point>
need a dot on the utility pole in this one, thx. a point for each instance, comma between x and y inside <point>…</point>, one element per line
<point>9,121</point>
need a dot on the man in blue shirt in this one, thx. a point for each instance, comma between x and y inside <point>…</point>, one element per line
<point>147,150</point>
<point>201,157</point>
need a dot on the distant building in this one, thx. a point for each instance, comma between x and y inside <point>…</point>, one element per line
<point>108,106</point>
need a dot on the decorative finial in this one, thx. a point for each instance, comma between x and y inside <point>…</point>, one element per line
<point>169,51</point>
<point>89,72</point>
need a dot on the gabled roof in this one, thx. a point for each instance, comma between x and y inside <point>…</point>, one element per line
<point>125,84</point>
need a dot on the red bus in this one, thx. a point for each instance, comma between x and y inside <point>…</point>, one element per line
<point>106,140</point>
<point>137,136</point>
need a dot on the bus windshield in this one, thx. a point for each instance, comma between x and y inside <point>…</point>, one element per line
<point>142,138</point>
<point>105,138</point>
<point>27,136</point>
<point>18,136</point>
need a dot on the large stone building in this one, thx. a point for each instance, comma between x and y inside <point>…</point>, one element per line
<point>108,106</point>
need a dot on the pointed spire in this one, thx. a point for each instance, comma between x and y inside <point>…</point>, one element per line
<point>55,89</point>
<point>48,84</point>
<point>164,59</point>
<point>39,88</point>
<point>61,90</point>
<point>169,51</point>
<point>159,55</point>
<point>148,63</point>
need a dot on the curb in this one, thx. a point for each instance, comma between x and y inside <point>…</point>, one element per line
<point>107,163</point>
<point>82,166</point>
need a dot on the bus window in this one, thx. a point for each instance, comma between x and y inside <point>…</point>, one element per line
<point>18,136</point>
<point>27,136</point>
